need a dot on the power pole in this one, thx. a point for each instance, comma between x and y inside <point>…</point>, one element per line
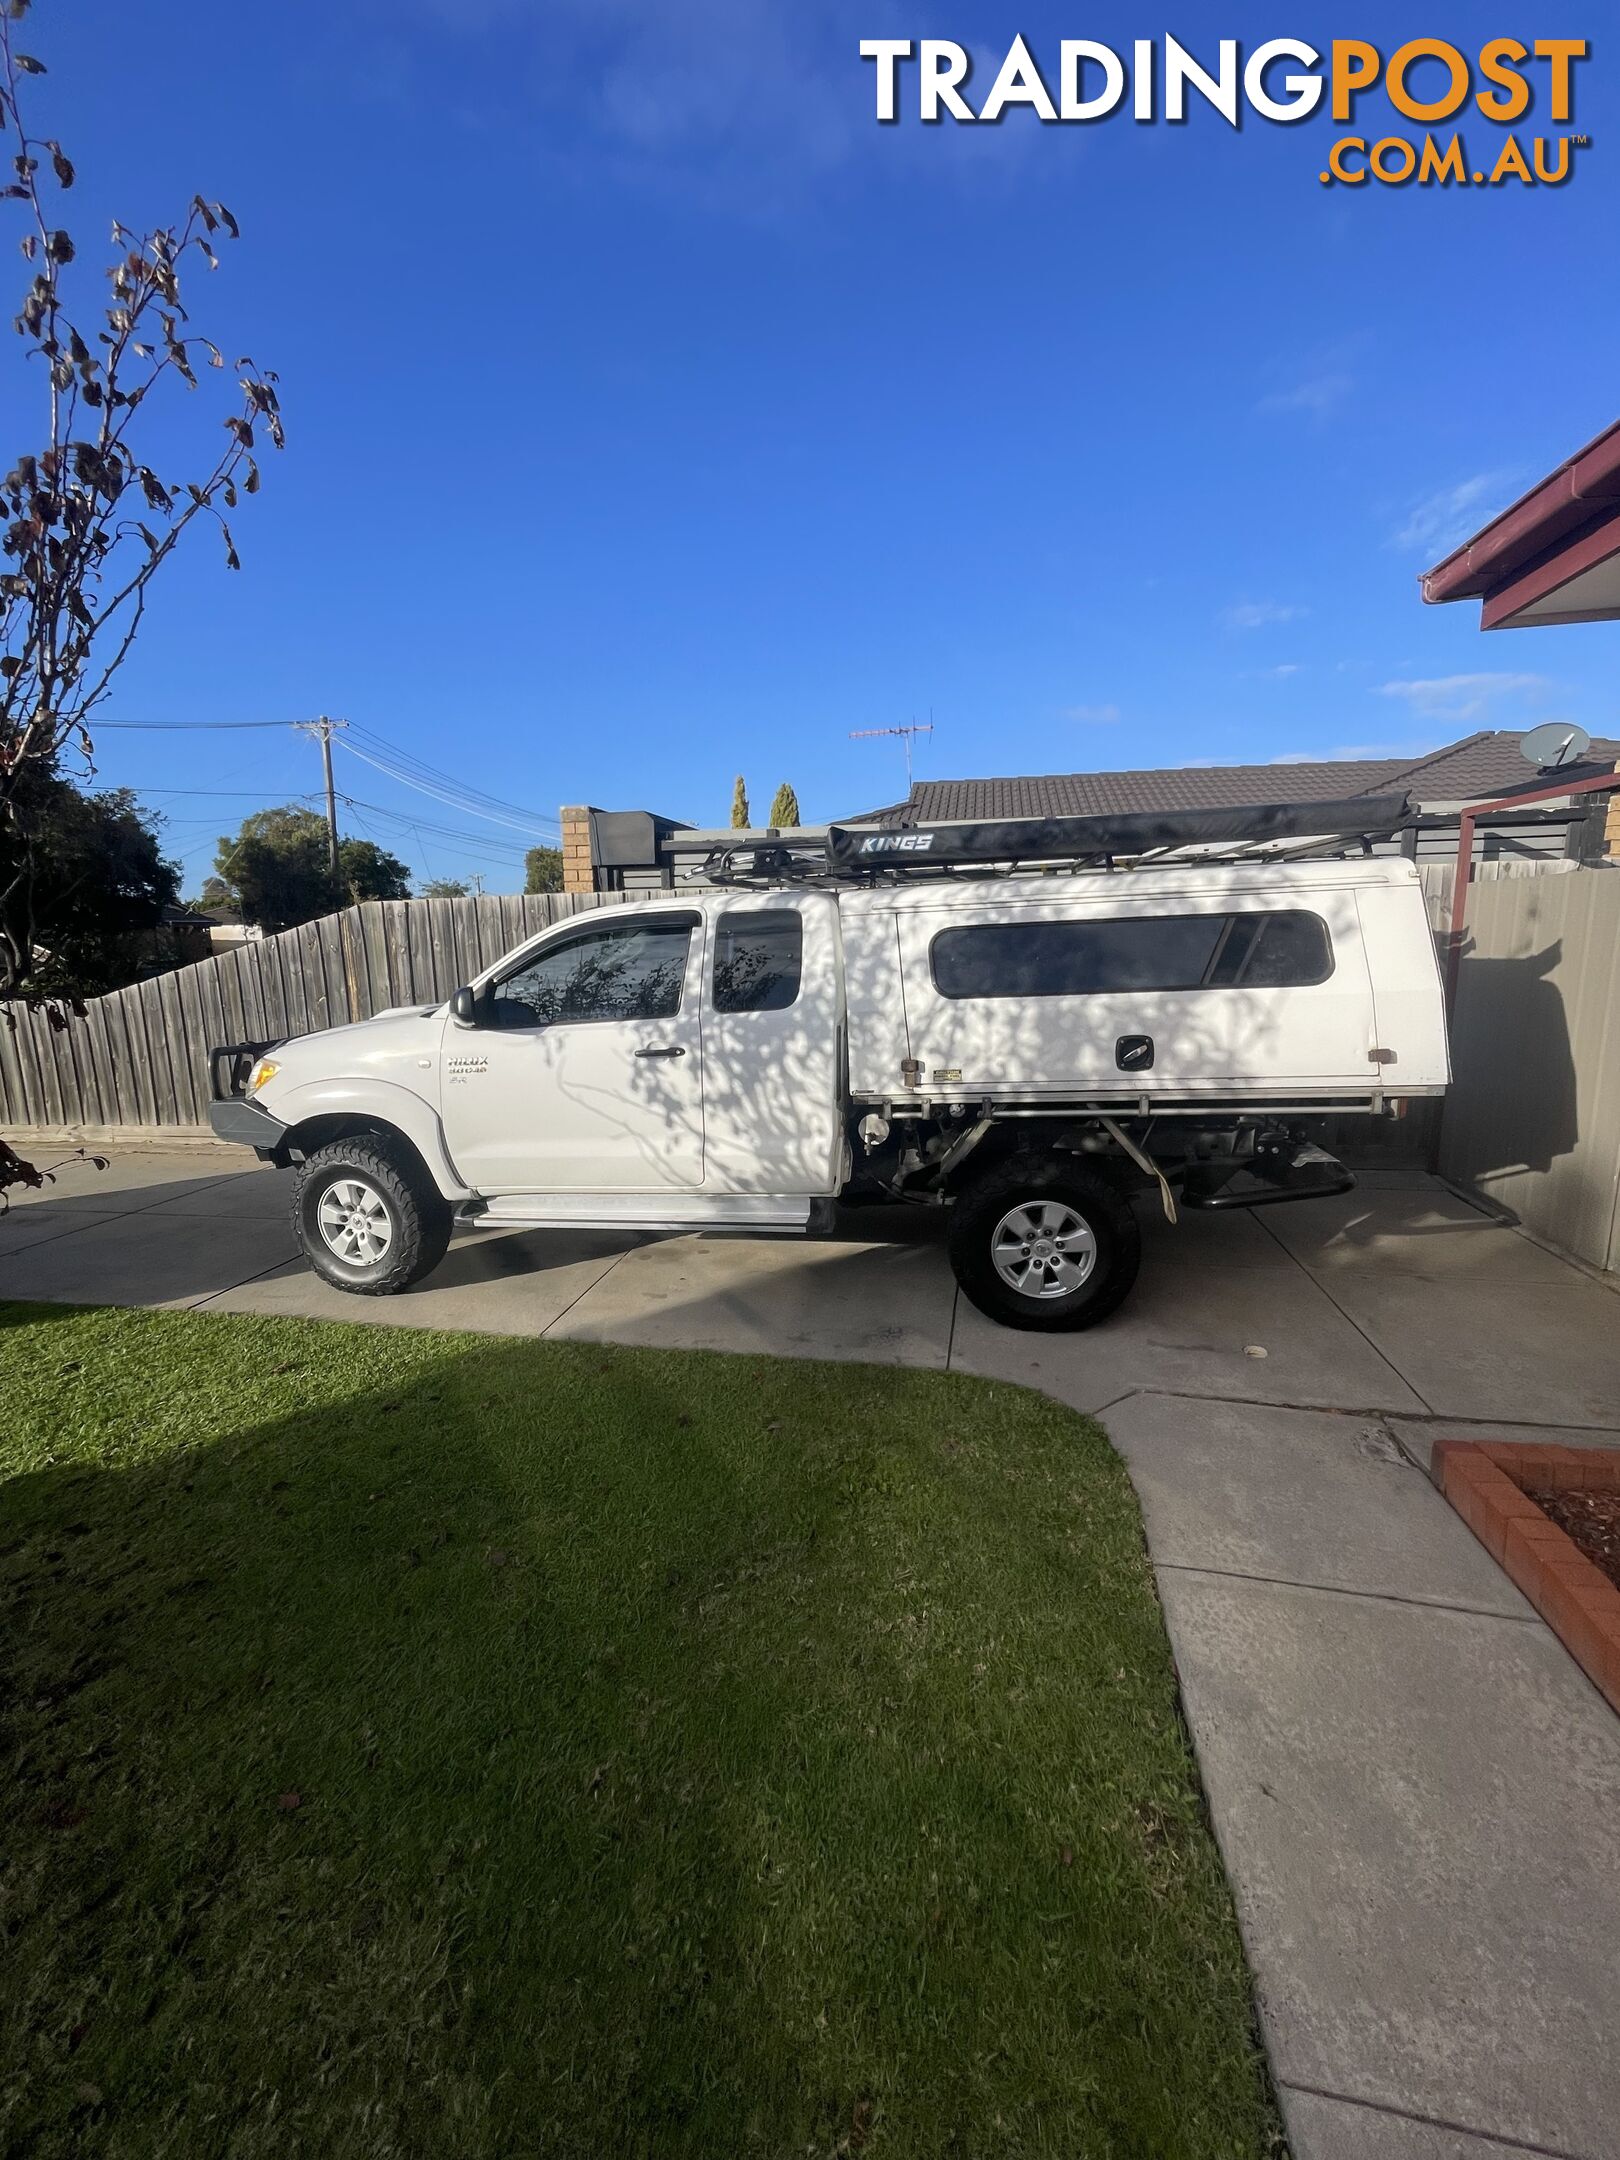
<point>321,729</point>
<point>331,797</point>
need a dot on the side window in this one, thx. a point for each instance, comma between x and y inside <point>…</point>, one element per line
<point>1075,959</point>
<point>629,971</point>
<point>1275,951</point>
<point>758,961</point>
<point>1272,950</point>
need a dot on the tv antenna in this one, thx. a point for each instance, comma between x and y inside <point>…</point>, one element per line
<point>911,728</point>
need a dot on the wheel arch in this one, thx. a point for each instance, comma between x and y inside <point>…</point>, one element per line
<point>319,1114</point>
<point>313,1133</point>
<point>1053,1141</point>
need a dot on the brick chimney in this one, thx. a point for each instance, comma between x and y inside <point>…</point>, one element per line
<point>578,874</point>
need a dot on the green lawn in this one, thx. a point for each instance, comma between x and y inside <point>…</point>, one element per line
<point>420,1744</point>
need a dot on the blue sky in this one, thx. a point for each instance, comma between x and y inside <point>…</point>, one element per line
<point>654,415</point>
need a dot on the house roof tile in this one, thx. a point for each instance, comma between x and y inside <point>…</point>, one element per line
<point>1483,764</point>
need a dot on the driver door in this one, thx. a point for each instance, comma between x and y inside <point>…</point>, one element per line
<point>584,1072</point>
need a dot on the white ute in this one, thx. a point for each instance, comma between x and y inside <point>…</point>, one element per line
<point>1029,1049</point>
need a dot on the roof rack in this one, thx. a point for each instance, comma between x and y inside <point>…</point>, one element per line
<point>1285,832</point>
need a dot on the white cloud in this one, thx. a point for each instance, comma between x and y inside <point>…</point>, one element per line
<point>1092,715</point>
<point>1437,523</point>
<point>1317,394</point>
<point>741,104</point>
<point>1282,671</point>
<point>1260,614</point>
<point>1461,697</point>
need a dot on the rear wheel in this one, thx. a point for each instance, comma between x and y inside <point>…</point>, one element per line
<point>368,1218</point>
<point>1040,1244</point>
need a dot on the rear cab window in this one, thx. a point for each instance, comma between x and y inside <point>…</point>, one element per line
<point>758,960</point>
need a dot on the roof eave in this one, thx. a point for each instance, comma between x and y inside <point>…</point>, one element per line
<point>1581,492</point>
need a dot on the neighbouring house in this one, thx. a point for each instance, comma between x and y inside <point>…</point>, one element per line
<point>1551,557</point>
<point>178,939</point>
<point>1533,1118</point>
<point>634,850</point>
<point>226,929</point>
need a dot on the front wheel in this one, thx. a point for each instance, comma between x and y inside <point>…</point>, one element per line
<point>368,1218</point>
<point>1037,1244</point>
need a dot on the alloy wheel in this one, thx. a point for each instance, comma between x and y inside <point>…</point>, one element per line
<point>354,1222</point>
<point>1043,1249</point>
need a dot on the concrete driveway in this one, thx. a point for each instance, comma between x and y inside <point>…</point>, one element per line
<point>1416,1791</point>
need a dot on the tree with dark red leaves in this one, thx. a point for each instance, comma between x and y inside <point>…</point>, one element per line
<point>86,520</point>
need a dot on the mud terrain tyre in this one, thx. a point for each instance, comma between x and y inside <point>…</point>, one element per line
<point>1043,1243</point>
<point>368,1217</point>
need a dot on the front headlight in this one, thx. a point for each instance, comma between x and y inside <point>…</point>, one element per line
<point>264,1069</point>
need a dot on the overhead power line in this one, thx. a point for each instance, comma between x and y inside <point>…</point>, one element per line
<point>490,843</point>
<point>415,773</point>
<point>181,727</point>
<point>401,766</point>
<point>484,845</point>
<point>410,762</point>
<point>170,794</point>
<point>524,822</point>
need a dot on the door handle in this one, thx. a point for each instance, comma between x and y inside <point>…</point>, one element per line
<point>674,1050</point>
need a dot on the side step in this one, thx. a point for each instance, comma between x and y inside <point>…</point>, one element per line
<point>1309,1173</point>
<point>786,1214</point>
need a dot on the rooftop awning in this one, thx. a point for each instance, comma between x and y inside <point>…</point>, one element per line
<point>1033,840</point>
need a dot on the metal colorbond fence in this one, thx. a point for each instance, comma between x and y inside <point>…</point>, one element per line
<point>1533,1117</point>
<point>1438,879</point>
<point>139,1057</point>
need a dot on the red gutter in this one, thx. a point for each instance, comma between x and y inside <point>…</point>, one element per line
<point>1578,493</point>
<point>1528,586</point>
<point>1598,784</point>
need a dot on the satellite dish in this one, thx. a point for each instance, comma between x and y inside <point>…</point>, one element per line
<point>1555,743</point>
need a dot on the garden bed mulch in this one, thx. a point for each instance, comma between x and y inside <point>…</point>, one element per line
<point>1591,1520</point>
<point>1551,1516</point>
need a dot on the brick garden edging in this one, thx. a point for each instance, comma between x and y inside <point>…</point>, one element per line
<point>1484,1482</point>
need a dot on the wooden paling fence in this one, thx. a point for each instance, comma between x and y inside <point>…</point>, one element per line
<point>139,1057</point>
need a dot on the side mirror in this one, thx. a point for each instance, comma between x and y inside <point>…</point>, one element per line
<point>464,1007</point>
